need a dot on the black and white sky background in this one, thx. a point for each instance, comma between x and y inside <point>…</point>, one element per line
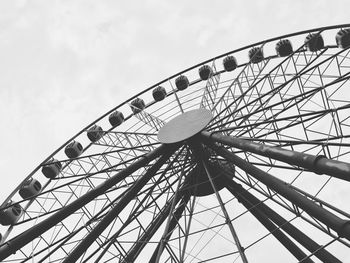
<point>64,63</point>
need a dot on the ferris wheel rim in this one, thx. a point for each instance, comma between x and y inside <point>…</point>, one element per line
<point>168,79</point>
<point>320,29</point>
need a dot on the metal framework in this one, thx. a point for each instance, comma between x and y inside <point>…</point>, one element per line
<point>266,180</point>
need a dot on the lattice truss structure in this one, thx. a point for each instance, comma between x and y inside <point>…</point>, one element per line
<point>129,198</point>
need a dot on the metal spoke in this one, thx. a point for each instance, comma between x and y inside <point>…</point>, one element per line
<point>339,225</point>
<point>198,151</point>
<point>157,219</point>
<point>265,214</point>
<point>17,242</point>
<point>317,164</point>
<point>275,231</point>
<point>173,217</point>
<point>107,219</point>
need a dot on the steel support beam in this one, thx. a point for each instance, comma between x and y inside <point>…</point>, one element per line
<point>151,229</point>
<point>243,195</point>
<point>27,236</point>
<point>199,152</point>
<point>227,218</point>
<point>317,164</point>
<point>172,224</point>
<point>114,212</point>
<point>173,217</point>
<point>136,212</point>
<point>271,227</point>
<point>341,226</point>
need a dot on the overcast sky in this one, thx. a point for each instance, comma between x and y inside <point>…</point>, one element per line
<point>65,63</point>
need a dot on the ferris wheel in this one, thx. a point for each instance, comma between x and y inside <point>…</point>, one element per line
<point>241,158</point>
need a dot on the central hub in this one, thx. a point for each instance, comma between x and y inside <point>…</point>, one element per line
<point>198,181</point>
<point>184,126</point>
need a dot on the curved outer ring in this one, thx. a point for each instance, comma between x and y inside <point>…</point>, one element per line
<point>319,30</point>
